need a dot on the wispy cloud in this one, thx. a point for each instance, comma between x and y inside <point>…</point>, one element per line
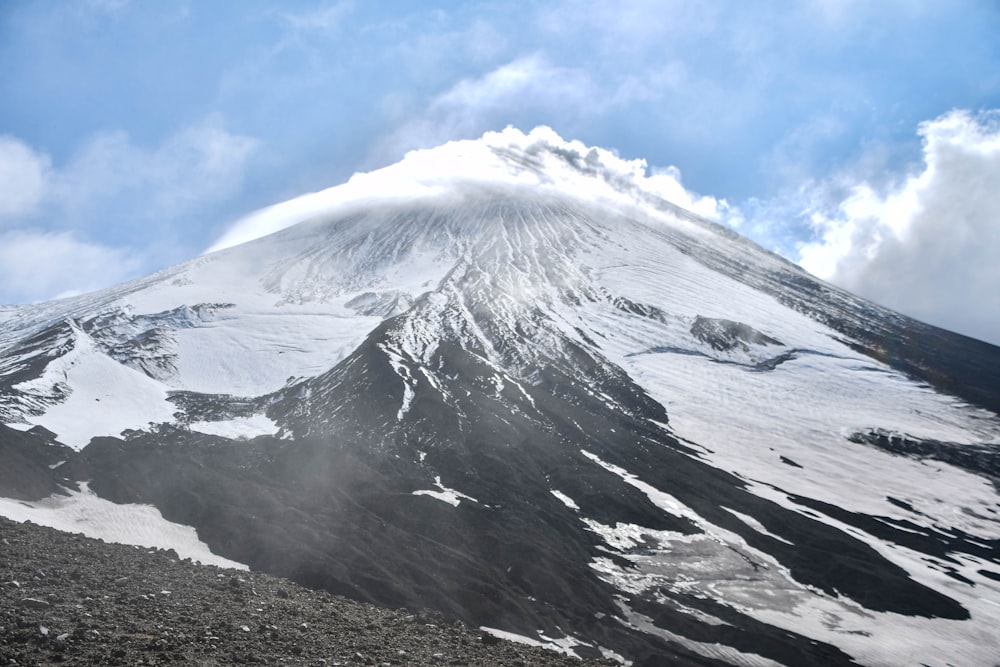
<point>198,164</point>
<point>516,92</point>
<point>529,79</point>
<point>112,189</point>
<point>37,265</point>
<point>319,19</point>
<point>24,178</point>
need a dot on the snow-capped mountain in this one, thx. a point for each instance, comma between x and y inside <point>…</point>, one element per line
<point>507,379</point>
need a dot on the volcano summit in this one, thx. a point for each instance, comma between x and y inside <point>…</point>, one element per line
<point>506,379</point>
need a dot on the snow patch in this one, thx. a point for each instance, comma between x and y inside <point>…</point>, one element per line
<point>238,428</point>
<point>444,494</point>
<point>621,536</point>
<point>756,525</point>
<point>85,512</point>
<point>566,500</point>
<point>565,645</point>
<point>661,499</point>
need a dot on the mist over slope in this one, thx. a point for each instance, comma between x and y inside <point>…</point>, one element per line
<point>509,380</point>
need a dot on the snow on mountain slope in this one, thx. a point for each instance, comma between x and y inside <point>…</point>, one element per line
<point>582,406</point>
<point>240,322</point>
<point>764,391</point>
<point>142,525</point>
<point>799,397</point>
<point>104,397</point>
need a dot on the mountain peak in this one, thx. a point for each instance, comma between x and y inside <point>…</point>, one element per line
<point>535,163</point>
<point>509,380</point>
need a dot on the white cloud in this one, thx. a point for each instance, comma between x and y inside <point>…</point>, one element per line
<point>478,104</point>
<point>24,177</point>
<point>540,159</point>
<point>199,163</point>
<point>111,192</point>
<point>37,265</point>
<point>528,78</point>
<point>929,246</point>
<point>666,183</point>
<point>320,19</point>
<point>630,25</point>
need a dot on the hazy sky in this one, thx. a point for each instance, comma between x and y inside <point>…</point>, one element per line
<point>857,137</point>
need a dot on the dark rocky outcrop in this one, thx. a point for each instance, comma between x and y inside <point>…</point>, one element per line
<point>34,465</point>
<point>726,335</point>
<point>981,458</point>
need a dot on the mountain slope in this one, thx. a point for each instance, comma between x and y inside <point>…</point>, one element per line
<point>537,397</point>
<point>170,611</point>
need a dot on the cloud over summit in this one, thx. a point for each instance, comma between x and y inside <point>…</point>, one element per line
<point>511,158</point>
<point>133,126</point>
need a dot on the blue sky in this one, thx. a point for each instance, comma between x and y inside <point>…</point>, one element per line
<point>857,137</point>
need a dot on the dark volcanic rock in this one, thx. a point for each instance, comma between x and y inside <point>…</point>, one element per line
<point>726,335</point>
<point>173,612</point>
<point>981,459</point>
<point>34,464</point>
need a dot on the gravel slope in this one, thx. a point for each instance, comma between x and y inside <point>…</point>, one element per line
<point>70,600</point>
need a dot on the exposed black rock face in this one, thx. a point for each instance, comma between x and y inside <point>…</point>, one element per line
<point>789,462</point>
<point>193,406</point>
<point>34,465</point>
<point>943,543</point>
<point>981,459</point>
<point>726,335</point>
<point>742,632</point>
